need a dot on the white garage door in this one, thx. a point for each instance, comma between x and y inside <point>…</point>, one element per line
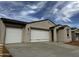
<point>13,35</point>
<point>39,35</point>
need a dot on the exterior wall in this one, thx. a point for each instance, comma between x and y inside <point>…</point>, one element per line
<point>26,37</point>
<point>55,35</point>
<point>62,35</point>
<point>73,35</point>
<point>50,34</point>
<point>76,36</point>
<point>23,34</point>
<point>2,35</point>
<point>2,32</point>
<point>43,24</point>
<point>67,39</point>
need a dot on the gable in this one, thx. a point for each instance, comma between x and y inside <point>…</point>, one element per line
<point>42,24</point>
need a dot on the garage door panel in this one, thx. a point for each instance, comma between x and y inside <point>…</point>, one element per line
<point>39,35</point>
<point>13,35</point>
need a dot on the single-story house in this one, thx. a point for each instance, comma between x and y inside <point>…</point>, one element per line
<point>62,33</point>
<point>75,34</point>
<point>14,31</point>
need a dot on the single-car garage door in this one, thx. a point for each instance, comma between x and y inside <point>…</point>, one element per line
<point>13,35</point>
<point>39,35</point>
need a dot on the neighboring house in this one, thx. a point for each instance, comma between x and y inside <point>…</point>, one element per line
<point>62,33</point>
<point>75,34</point>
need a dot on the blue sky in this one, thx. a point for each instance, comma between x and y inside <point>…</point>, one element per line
<point>59,12</point>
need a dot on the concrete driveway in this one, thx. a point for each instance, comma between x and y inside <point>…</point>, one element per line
<point>43,49</point>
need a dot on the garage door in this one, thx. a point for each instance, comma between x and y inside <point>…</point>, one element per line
<point>13,35</point>
<point>39,35</point>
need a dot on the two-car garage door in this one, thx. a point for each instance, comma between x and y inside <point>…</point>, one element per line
<point>39,35</point>
<point>13,35</point>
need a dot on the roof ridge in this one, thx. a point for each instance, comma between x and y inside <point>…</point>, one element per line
<point>26,22</point>
<point>42,20</point>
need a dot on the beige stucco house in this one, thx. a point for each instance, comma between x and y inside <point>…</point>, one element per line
<point>75,34</point>
<point>62,33</point>
<point>13,31</point>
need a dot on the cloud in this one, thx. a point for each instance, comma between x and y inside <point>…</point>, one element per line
<point>55,10</point>
<point>61,12</point>
<point>62,15</point>
<point>40,5</point>
<point>73,25</point>
<point>20,9</point>
<point>58,4</point>
<point>15,3</point>
<point>24,13</point>
<point>66,12</point>
<point>19,17</point>
<point>26,18</point>
<point>32,6</point>
<point>70,9</point>
<point>3,15</point>
<point>30,9</point>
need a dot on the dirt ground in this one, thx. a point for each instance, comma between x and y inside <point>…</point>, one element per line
<point>76,43</point>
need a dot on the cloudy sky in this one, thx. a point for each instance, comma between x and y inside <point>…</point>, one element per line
<point>59,12</point>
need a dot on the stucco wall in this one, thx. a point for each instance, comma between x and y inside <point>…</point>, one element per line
<point>62,35</point>
<point>2,32</point>
<point>73,35</point>
<point>76,37</point>
<point>67,39</point>
<point>23,34</point>
<point>26,37</point>
<point>43,24</point>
